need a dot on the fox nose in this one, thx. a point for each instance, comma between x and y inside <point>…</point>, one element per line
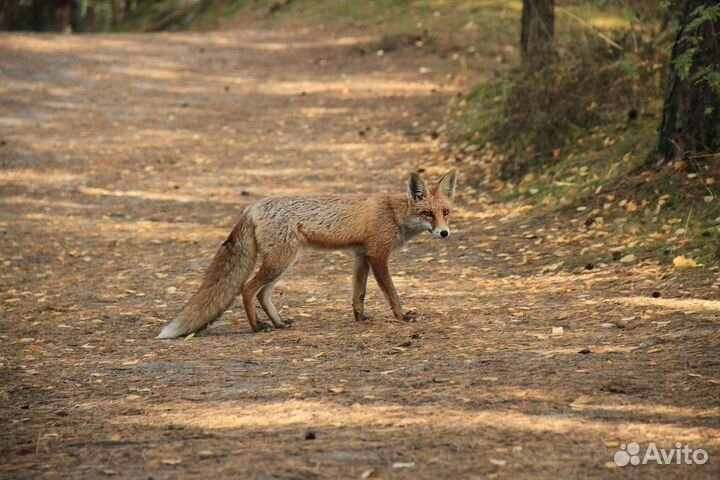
<point>444,233</point>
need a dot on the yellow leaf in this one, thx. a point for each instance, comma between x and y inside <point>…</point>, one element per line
<point>679,165</point>
<point>683,262</point>
<point>628,258</point>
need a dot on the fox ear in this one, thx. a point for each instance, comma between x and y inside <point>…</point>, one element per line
<point>416,188</point>
<point>447,184</point>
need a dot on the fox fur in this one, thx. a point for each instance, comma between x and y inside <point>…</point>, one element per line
<point>276,229</point>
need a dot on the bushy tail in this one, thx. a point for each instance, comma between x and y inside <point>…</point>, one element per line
<point>230,268</point>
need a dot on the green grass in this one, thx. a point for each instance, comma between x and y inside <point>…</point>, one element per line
<point>630,209</point>
<point>581,132</point>
<point>157,15</point>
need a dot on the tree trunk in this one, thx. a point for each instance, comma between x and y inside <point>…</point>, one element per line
<point>114,13</point>
<point>538,30</point>
<point>691,112</point>
<point>8,14</point>
<point>39,16</point>
<point>89,18</point>
<point>76,17</point>
<point>57,15</point>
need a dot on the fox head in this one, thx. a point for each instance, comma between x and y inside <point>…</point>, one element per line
<point>430,207</point>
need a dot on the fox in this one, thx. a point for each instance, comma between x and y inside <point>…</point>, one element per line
<point>277,228</point>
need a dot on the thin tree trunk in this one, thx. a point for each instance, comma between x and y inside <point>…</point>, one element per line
<point>8,14</point>
<point>538,30</point>
<point>58,15</point>
<point>114,13</point>
<point>76,17</point>
<point>691,111</point>
<point>39,15</point>
<point>89,18</point>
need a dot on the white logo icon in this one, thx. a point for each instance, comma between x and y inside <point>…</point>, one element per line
<point>627,454</point>
<point>682,454</point>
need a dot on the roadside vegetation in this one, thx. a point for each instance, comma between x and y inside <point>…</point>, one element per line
<point>575,134</point>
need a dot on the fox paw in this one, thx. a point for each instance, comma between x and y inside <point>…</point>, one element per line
<point>262,326</point>
<point>283,324</point>
<point>410,316</point>
<point>361,317</point>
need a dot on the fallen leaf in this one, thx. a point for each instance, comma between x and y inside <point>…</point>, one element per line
<point>171,461</point>
<point>629,258</point>
<point>558,330</point>
<point>499,463</point>
<point>552,267</point>
<point>403,465</point>
<point>683,262</point>
<point>367,474</point>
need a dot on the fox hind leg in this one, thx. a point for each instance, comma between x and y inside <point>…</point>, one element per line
<point>273,265</point>
<point>265,299</point>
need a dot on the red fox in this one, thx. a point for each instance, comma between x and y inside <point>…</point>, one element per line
<point>278,227</point>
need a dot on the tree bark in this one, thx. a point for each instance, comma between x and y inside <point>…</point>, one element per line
<point>39,15</point>
<point>89,18</point>
<point>691,111</point>
<point>76,18</point>
<point>9,13</point>
<point>538,30</point>
<point>58,15</point>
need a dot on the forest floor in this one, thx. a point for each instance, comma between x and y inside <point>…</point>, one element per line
<point>125,161</point>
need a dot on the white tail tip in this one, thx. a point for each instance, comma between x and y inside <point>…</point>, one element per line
<point>169,331</point>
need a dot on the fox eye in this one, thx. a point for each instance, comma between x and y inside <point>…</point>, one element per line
<point>427,213</point>
<point>446,212</point>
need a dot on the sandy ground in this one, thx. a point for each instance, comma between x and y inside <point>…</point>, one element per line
<point>125,160</point>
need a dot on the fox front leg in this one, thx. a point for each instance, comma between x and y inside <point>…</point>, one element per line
<point>360,276</point>
<point>381,271</point>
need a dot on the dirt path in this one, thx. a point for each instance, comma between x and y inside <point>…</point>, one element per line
<point>125,160</point>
